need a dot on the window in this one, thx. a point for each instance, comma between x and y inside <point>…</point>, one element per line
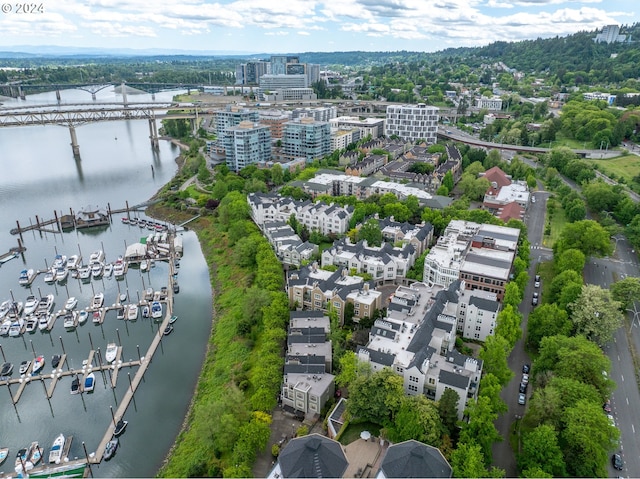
<point>413,388</point>
<point>432,381</point>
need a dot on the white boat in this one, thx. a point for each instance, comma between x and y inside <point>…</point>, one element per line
<point>26,276</point>
<point>16,328</point>
<point>50,276</point>
<point>145,311</point>
<point>120,312</point>
<point>111,448</point>
<point>61,274</point>
<point>71,303</point>
<point>96,257</point>
<point>38,364</point>
<point>156,310</point>
<point>4,453</point>
<point>22,463</point>
<point>82,316</point>
<point>74,261</point>
<point>4,308</point>
<point>132,312</point>
<point>119,428</point>
<point>84,272</point>
<point>43,321</point>
<point>97,301</point>
<point>24,366</point>
<point>30,305</point>
<point>70,320</point>
<point>108,270</point>
<point>96,270</point>
<point>31,323</point>
<point>45,305</point>
<point>97,316</point>
<point>111,352</point>
<point>144,265</point>
<point>55,453</point>
<point>119,267</point>
<point>148,294</point>
<point>89,382</point>
<point>60,261</point>
<point>6,370</point>
<point>15,310</point>
<point>5,326</point>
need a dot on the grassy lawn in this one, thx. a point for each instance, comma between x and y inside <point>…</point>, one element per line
<point>353,431</point>
<point>626,167</point>
<point>557,224</point>
<point>545,270</point>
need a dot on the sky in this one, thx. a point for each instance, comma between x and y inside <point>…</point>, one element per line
<point>296,26</point>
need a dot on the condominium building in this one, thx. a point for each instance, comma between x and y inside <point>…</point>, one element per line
<point>306,138</point>
<point>341,137</point>
<point>323,113</point>
<point>246,144</point>
<point>481,255</point>
<point>373,127</point>
<point>279,63</point>
<point>276,120</point>
<point>610,34</point>
<point>494,103</point>
<point>233,116</point>
<point>412,122</point>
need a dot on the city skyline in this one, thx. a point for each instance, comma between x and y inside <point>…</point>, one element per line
<point>295,26</point>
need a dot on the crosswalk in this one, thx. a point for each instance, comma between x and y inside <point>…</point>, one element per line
<point>544,248</point>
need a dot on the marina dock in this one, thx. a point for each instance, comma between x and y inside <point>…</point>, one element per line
<point>94,363</point>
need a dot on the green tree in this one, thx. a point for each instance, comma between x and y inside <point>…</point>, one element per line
<point>547,320</point>
<point>561,281</point>
<point>447,181</point>
<point>481,428</point>
<point>494,353</point>
<point>571,259</point>
<point>540,449</point>
<point>575,211</point>
<point>586,236</point>
<point>277,175</point>
<point>626,291</point>
<point>467,460</point>
<point>417,419</point>
<point>588,437</point>
<point>596,314</point>
<point>490,388</point>
<point>348,369</point>
<point>376,397</point>
<point>370,231</point>
<point>448,410</point>
<point>508,325</point>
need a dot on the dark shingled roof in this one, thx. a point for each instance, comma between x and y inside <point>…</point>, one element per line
<point>312,456</point>
<point>414,459</point>
<point>379,357</point>
<point>484,304</point>
<point>453,379</point>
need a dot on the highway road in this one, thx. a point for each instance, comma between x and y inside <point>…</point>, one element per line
<point>626,396</point>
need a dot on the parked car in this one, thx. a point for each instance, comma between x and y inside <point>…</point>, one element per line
<point>526,368</point>
<point>523,387</point>
<point>522,399</point>
<point>534,299</point>
<point>607,407</point>
<point>525,378</point>
<point>616,462</point>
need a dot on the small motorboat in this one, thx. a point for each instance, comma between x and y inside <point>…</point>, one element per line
<point>26,277</point>
<point>55,360</point>
<point>173,319</point>
<point>132,312</point>
<point>163,292</point>
<point>145,311</point>
<point>6,370</point>
<point>50,276</point>
<point>31,324</point>
<point>84,272</point>
<point>38,364</point>
<point>156,310</point>
<point>17,328</point>
<point>75,385</point>
<point>4,453</point>
<point>24,366</point>
<point>74,261</point>
<point>22,461</point>
<point>96,317</point>
<point>62,274</point>
<point>97,270</point>
<point>120,427</point>
<point>120,312</point>
<point>89,382</point>
<point>71,303</point>
<point>96,257</point>
<point>35,453</point>
<point>60,261</point>
<point>43,321</point>
<point>55,453</point>
<point>69,321</point>
<point>168,330</point>
<point>81,316</point>
<point>111,352</point>
<point>30,305</point>
<point>108,270</point>
<point>176,287</point>
<point>144,265</point>
<point>111,448</point>
<point>97,301</point>
<point>119,268</point>
<point>123,297</point>
<point>148,294</point>
<point>125,220</point>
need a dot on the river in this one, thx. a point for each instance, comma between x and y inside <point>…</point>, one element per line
<point>39,176</point>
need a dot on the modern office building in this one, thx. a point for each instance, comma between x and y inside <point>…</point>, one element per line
<point>279,63</point>
<point>610,34</point>
<point>373,127</point>
<point>249,73</point>
<point>247,144</point>
<point>412,122</point>
<point>322,113</point>
<point>494,103</point>
<point>276,120</point>
<point>278,82</point>
<point>306,138</point>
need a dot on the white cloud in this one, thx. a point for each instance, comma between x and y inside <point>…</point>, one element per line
<point>303,33</point>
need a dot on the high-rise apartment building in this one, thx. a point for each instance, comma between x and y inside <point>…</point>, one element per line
<point>306,138</point>
<point>279,63</point>
<point>246,144</point>
<point>412,122</point>
<point>232,116</point>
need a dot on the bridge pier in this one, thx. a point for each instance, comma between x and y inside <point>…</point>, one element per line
<point>153,96</point>
<point>153,133</point>
<point>124,94</point>
<point>74,142</point>
<point>93,96</point>
<point>21,93</point>
<point>58,96</point>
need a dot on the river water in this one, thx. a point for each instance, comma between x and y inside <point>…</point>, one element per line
<point>39,176</point>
